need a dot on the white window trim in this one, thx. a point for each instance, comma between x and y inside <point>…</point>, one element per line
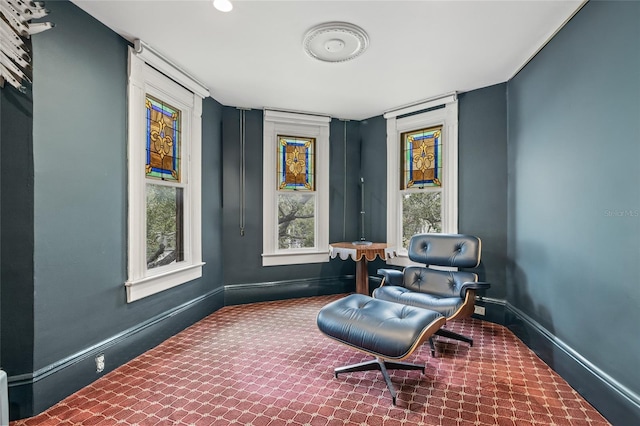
<point>186,94</point>
<point>303,125</point>
<point>448,118</point>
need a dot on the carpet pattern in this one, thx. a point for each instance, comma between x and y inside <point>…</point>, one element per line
<point>267,364</point>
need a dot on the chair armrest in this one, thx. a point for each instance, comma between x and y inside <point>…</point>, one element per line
<point>473,285</point>
<point>391,276</point>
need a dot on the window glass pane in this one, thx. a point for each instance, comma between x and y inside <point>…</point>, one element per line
<point>296,163</point>
<point>162,140</point>
<point>421,212</point>
<point>421,158</point>
<point>164,225</point>
<point>296,220</point>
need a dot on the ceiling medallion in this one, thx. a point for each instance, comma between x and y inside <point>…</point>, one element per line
<point>335,42</point>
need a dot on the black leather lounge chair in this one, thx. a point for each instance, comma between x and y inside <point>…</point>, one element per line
<point>451,293</point>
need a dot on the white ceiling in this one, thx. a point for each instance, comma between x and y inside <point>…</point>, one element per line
<point>253,56</point>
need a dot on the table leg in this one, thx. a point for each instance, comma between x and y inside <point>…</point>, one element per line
<point>362,276</point>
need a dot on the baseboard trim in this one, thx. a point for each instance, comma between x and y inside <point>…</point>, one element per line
<point>54,382</point>
<point>237,294</point>
<point>613,400</point>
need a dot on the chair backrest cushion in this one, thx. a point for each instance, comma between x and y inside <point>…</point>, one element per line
<point>452,250</point>
<point>435,282</point>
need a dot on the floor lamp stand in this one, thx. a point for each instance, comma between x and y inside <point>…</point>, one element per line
<point>363,241</point>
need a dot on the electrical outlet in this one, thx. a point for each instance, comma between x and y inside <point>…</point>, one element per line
<point>479,310</point>
<point>100,363</point>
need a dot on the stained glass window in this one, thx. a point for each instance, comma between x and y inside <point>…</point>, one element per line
<point>162,140</point>
<point>296,163</point>
<point>421,158</point>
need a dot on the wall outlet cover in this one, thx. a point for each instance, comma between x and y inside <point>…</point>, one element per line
<point>100,363</point>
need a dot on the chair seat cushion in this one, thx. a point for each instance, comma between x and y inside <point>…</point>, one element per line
<point>446,306</point>
<point>384,329</point>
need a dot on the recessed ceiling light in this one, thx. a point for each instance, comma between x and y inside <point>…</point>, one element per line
<point>223,5</point>
<point>335,41</point>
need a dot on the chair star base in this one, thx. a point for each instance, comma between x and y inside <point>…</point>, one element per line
<point>453,335</point>
<point>382,366</point>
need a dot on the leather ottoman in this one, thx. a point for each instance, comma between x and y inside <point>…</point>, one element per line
<point>386,330</point>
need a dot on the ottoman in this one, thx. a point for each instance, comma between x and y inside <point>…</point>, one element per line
<point>386,330</point>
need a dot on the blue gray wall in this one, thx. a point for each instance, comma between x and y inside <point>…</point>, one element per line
<point>63,286</point>
<point>482,180</point>
<point>79,150</point>
<point>373,160</point>
<point>373,164</point>
<point>243,272</point>
<point>1,96</point>
<point>16,230</point>
<point>574,197</point>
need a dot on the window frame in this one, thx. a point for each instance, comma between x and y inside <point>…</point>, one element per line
<point>442,111</point>
<point>151,74</point>
<point>299,125</point>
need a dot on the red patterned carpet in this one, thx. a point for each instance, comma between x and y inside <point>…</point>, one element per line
<point>267,364</point>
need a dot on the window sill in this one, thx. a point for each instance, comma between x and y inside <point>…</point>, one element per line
<point>400,260</point>
<point>275,259</point>
<point>147,286</point>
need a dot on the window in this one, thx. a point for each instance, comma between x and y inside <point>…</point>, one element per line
<point>296,192</point>
<point>295,188</point>
<point>422,182</point>
<point>164,189</point>
<point>164,241</point>
<point>421,185</point>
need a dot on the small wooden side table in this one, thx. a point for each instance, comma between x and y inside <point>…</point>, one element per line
<point>361,254</point>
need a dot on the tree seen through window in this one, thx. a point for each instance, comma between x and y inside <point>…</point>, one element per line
<point>296,220</point>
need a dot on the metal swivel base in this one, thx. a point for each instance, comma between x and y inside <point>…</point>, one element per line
<point>381,365</point>
<point>451,335</point>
